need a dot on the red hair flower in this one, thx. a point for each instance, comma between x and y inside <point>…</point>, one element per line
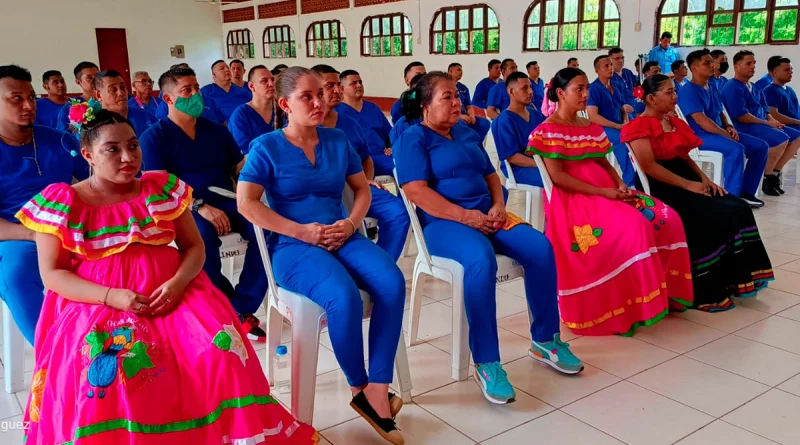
<point>638,92</point>
<point>77,111</point>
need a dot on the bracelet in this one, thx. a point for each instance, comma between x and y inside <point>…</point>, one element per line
<point>105,299</point>
<point>351,222</point>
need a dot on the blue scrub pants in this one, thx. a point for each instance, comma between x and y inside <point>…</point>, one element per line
<point>252,287</point>
<point>332,280</point>
<point>525,175</point>
<point>476,252</point>
<point>481,126</point>
<point>21,285</point>
<point>621,153</point>
<point>393,221</point>
<point>739,179</point>
<point>384,165</point>
<point>771,136</point>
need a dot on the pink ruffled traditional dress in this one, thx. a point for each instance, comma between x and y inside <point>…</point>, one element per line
<point>620,266</point>
<point>108,377</point>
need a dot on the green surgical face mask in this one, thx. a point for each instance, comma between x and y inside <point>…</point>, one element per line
<point>193,106</point>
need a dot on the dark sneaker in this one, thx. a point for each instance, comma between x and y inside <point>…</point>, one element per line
<point>253,327</point>
<point>779,184</point>
<point>770,186</point>
<point>752,201</point>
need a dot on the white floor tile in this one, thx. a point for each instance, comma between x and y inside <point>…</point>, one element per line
<point>722,433</point>
<point>554,428</point>
<point>775,415</point>
<point>792,385</point>
<point>520,325</point>
<point>781,244</point>
<point>728,321</point>
<point>793,266</point>
<point>331,401</point>
<point>786,281</point>
<point>9,406</point>
<point>435,320</point>
<point>620,356</point>
<point>769,300</point>
<point>678,335</point>
<point>637,416</point>
<point>430,368</point>
<point>750,359</point>
<point>778,257</point>
<point>509,304</point>
<point>775,331</point>
<point>12,430</point>
<point>792,313</point>
<point>512,346</point>
<point>553,387</point>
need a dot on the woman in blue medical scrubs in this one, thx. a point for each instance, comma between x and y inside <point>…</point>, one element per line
<point>314,246</point>
<point>256,117</point>
<point>444,170</point>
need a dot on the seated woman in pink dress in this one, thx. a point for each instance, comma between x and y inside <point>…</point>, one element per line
<point>622,256</point>
<point>134,344</point>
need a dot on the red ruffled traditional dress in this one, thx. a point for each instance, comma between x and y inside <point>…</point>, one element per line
<point>619,266</point>
<point>107,377</point>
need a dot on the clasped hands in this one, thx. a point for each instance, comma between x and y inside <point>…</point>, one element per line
<point>487,223</point>
<point>327,236</point>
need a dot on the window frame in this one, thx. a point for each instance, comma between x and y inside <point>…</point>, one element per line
<point>340,40</point>
<point>737,11</point>
<point>470,29</point>
<point>367,47</point>
<point>291,42</point>
<point>560,22</point>
<point>237,38</point>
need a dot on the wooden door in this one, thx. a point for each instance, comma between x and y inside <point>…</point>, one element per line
<point>112,49</point>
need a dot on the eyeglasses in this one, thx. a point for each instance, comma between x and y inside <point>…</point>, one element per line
<point>144,82</point>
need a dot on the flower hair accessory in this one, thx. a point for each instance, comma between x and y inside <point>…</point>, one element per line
<point>81,113</point>
<point>638,93</point>
<point>548,107</point>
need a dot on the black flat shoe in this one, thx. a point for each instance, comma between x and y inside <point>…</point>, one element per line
<point>385,427</point>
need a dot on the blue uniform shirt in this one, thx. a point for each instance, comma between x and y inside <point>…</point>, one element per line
<point>207,160</point>
<point>481,97</point>
<point>453,168</point>
<point>246,124</point>
<point>608,105</point>
<point>698,99</point>
<point>229,101</point>
<point>784,99</point>
<point>717,83</point>
<point>664,57</point>
<point>47,112</point>
<point>511,133</point>
<point>376,131</point>
<point>150,107</point>
<point>498,97</point>
<point>211,111</point>
<point>296,189</point>
<point>739,100</point>
<point>764,82</point>
<point>463,94</point>
<point>19,176</point>
<point>538,94</point>
<point>355,135</point>
<point>679,85</point>
<point>141,120</point>
<point>397,111</point>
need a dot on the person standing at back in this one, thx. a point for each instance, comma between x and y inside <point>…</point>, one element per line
<point>47,108</point>
<point>664,53</point>
<point>481,96</point>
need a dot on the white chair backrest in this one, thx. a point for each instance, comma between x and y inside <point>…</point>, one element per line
<point>584,114</point>
<point>419,236</point>
<point>680,113</point>
<point>638,168</point>
<point>548,183</point>
<point>510,175</point>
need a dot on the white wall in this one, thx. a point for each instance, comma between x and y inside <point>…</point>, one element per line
<point>57,34</point>
<point>383,76</point>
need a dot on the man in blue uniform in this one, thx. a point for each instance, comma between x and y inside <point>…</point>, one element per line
<point>478,124</point>
<point>663,53</point>
<point>498,95</point>
<point>142,96</point>
<point>411,70</point>
<point>766,79</point>
<point>721,66</point>
<point>572,62</point>
<point>84,77</point>
<point>783,105</point>
<point>481,95</point>
<point>47,108</point>
<point>679,73</point>
<point>623,79</point>
<point>111,92</point>
<point>227,95</point>
<point>536,83</point>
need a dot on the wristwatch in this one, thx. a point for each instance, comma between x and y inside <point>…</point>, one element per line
<point>197,204</point>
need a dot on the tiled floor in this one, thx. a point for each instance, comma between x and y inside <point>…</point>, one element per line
<point>693,379</point>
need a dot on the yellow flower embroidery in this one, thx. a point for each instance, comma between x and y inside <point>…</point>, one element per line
<point>37,388</point>
<point>585,237</point>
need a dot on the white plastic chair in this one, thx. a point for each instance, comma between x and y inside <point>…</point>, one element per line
<point>712,157</point>
<point>307,320</point>
<point>452,272</point>
<point>14,344</point>
<point>548,183</point>
<point>639,171</point>
<point>534,206</point>
<point>385,180</point>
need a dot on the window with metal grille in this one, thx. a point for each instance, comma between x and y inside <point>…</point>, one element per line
<point>471,29</point>
<point>563,25</point>
<point>240,44</point>
<point>279,42</point>
<point>326,39</point>
<point>386,35</point>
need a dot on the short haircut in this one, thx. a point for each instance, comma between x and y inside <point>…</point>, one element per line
<point>453,65</point>
<point>637,62</point>
<point>571,59</point>
<point>15,72</point>
<point>236,61</point>
<point>253,70</point>
<point>676,65</point>
<point>598,59</point>
<point>281,66</point>
<point>324,69</point>
<point>649,65</point>
<point>666,35</point>
<point>492,63</point>
<point>616,50</point>
<point>275,71</point>
<point>48,74</point>
<point>170,78</point>
<point>696,56</point>
<point>717,53</point>
<point>347,73</point>
<point>505,63</point>
<point>107,74</point>
<point>180,65</point>
<point>412,65</point>
<point>778,61</point>
<point>216,63</point>
<point>140,73</point>
<point>82,66</point>
<point>513,78</point>
<point>741,55</point>
<point>530,64</point>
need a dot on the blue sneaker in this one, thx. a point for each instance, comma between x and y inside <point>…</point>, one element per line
<point>493,382</point>
<point>556,353</point>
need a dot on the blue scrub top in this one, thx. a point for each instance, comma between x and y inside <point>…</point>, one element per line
<point>498,96</point>
<point>698,99</point>
<point>246,124</point>
<point>453,168</point>
<point>296,189</point>
<point>208,160</point>
<point>481,97</point>
<point>784,99</point>
<point>47,112</point>
<point>211,111</point>
<point>397,111</point>
<point>376,131</point>
<point>678,86</point>
<point>19,177</point>
<point>400,127</point>
<point>151,107</point>
<point>355,135</point>
<point>764,82</point>
<point>538,93</point>
<point>227,102</point>
<point>511,133</point>
<point>717,83</point>
<point>608,105</point>
<point>664,57</point>
<point>141,120</point>
<point>463,94</point>
<point>739,100</point>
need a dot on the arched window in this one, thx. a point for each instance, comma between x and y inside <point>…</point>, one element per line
<point>279,42</point>
<point>326,39</point>
<point>728,22</point>
<point>240,44</point>
<point>386,35</point>
<point>471,29</point>
<point>552,25</point>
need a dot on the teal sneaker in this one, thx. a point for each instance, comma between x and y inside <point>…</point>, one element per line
<point>493,382</point>
<point>556,353</point>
